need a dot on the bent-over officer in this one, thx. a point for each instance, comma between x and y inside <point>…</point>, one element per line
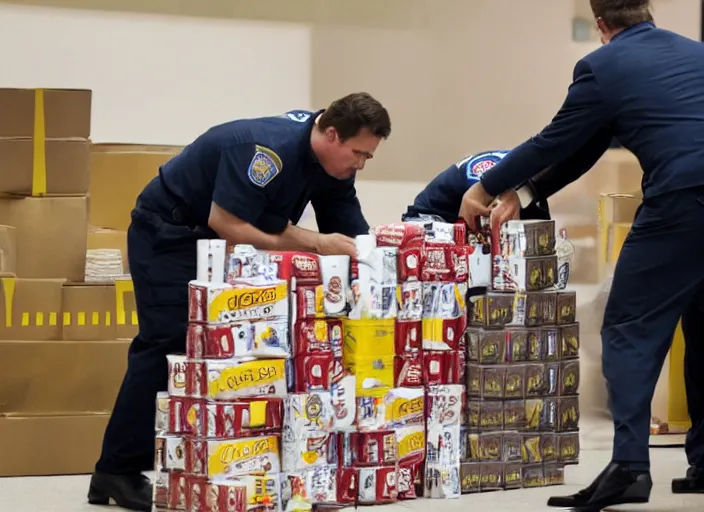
<point>645,86</point>
<point>442,197</point>
<point>248,182</point>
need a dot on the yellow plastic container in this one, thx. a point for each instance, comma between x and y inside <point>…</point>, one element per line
<point>368,339</point>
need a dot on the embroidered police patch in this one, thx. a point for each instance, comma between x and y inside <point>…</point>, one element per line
<point>476,165</point>
<point>264,167</point>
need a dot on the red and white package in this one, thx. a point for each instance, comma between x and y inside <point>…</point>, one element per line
<point>315,372</point>
<point>214,303</point>
<point>444,406</point>
<point>408,473</point>
<point>409,264</point>
<point>309,302</point>
<point>378,485</point>
<point>227,458</point>
<point>178,491</point>
<point>408,370</point>
<point>459,263</point>
<point>347,485</point>
<point>301,267</point>
<point>400,234</point>
<point>460,233</point>
<point>160,496</point>
<point>177,374</point>
<point>170,453</point>
<point>461,365</point>
<point>443,334</point>
<point>441,367</point>
<point>410,301</point>
<point>408,337</point>
<point>246,417</point>
<point>217,341</point>
<point>316,336</point>
<point>223,495</point>
<point>443,262</point>
<point>369,448</point>
<point>229,379</point>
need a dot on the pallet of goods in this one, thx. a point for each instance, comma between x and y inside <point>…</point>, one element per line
<point>319,381</point>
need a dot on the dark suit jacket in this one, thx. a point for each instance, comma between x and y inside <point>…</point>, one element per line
<point>646,88</point>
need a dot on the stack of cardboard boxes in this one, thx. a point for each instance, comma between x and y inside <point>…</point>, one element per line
<point>61,362</point>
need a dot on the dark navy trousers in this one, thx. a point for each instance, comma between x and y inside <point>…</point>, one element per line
<point>162,258</point>
<point>658,279</point>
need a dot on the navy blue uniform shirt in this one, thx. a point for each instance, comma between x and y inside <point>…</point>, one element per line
<point>646,87</point>
<point>443,195</point>
<point>262,171</point>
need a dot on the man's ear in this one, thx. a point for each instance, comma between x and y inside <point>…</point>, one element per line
<point>331,134</point>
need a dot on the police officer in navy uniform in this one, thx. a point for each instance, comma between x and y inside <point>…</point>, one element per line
<point>441,199</point>
<point>247,182</point>
<point>644,85</point>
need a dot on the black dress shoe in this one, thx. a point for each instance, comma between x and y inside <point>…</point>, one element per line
<point>693,483</point>
<point>616,485</point>
<point>131,492</point>
<point>580,498</point>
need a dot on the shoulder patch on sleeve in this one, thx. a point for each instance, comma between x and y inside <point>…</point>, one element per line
<point>264,167</point>
<point>476,165</point>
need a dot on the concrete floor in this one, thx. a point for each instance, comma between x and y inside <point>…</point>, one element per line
<point>68,494</point>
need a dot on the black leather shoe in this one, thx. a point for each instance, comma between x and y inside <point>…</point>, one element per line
<point>693,483</point>
<point>616,485</point>
<point>131,492</point>
<point>580,498</point>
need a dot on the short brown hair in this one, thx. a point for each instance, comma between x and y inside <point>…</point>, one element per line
<point>353,113</point>
<point>620,14</point>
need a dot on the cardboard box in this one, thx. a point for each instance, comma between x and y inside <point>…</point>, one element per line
<point>89,312</point>
<point>44,445</point>
<point>126,306</point>
<point>52,167</point>
<point>8,249</point>
<point>109,239</point>
<point>616,212</point>
<point>65,377</point>
<point>55,113</point>
<point>118,174</point>
<point>30,309</point>
<point>52,235</point>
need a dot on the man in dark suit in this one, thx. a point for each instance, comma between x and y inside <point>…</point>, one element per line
<point>645,85</point>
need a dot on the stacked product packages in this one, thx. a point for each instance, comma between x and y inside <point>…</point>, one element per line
<point>323,380</point>
<point>521,424</point>
<point>219,426</point>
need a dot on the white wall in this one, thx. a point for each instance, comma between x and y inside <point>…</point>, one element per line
<point>158,79</point>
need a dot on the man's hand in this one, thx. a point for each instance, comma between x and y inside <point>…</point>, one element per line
<point>475,204</point>
<point>336,244</point>
<point>507,207</point>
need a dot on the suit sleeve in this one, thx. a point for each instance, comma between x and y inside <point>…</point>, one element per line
<point>337,209</point>
<point>244,174</point>
<point>582,115</point>
<point>555,178</point>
